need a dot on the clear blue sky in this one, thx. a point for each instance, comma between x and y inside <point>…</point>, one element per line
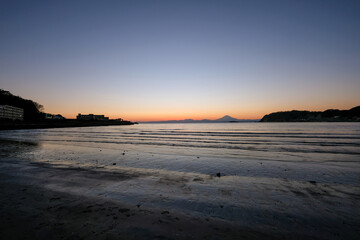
<point>152,60</point>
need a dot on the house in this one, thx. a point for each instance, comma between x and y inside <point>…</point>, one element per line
<point>54,117</point>
<point>10,112</point>
<point>58,117</point>
<point>91,117</point>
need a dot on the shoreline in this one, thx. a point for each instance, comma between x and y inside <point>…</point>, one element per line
<point>60,124</point>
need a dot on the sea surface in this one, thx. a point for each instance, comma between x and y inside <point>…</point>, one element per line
<point>270,173</point>
<point>224,145</point>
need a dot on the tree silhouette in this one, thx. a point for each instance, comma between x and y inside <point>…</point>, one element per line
<point>32,110</point>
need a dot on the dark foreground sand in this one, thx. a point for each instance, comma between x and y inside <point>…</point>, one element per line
<point>28,210</point>
<point>43,201</point>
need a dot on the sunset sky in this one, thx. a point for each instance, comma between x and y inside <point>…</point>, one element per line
<point>162,60</point>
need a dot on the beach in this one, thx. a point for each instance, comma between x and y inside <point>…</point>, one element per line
<point>178,120</point>
<point>30,210</point>
<point>146,182</point>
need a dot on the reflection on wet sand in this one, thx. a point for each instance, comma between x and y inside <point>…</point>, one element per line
<point>15,148</point>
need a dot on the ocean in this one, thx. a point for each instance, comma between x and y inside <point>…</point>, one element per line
<point>200,147</point>
<point>274,174</point>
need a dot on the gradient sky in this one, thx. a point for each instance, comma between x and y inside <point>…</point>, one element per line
<point>157,60</point>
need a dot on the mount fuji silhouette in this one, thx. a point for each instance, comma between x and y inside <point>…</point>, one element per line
<point>227,118</point>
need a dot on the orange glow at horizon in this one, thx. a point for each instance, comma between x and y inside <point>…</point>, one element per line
<point>250,113</point>
<point>164,106</point>
<point>165,117</point>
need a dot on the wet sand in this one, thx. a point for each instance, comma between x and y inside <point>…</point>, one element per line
<point>43,201</point>
<point>30,210</point>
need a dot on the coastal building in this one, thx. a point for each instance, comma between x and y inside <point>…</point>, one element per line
<point>54,117</point>
<point>91,117</point>
<point>10,112</point>
<point>58,117</point>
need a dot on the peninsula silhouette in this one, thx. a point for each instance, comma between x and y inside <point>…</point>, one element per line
<point>330,115</point>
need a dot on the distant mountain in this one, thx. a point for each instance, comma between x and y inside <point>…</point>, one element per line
<point>330,115</point>
<point>226,118</point>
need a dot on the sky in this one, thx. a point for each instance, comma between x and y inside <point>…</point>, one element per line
<point>171,60</point>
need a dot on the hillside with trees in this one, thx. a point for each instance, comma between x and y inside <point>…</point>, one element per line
<point>32,110</point>
<point>331,115</point>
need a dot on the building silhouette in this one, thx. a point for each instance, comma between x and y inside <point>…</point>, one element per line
<point>91,117</point>
<point>10,112</point>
